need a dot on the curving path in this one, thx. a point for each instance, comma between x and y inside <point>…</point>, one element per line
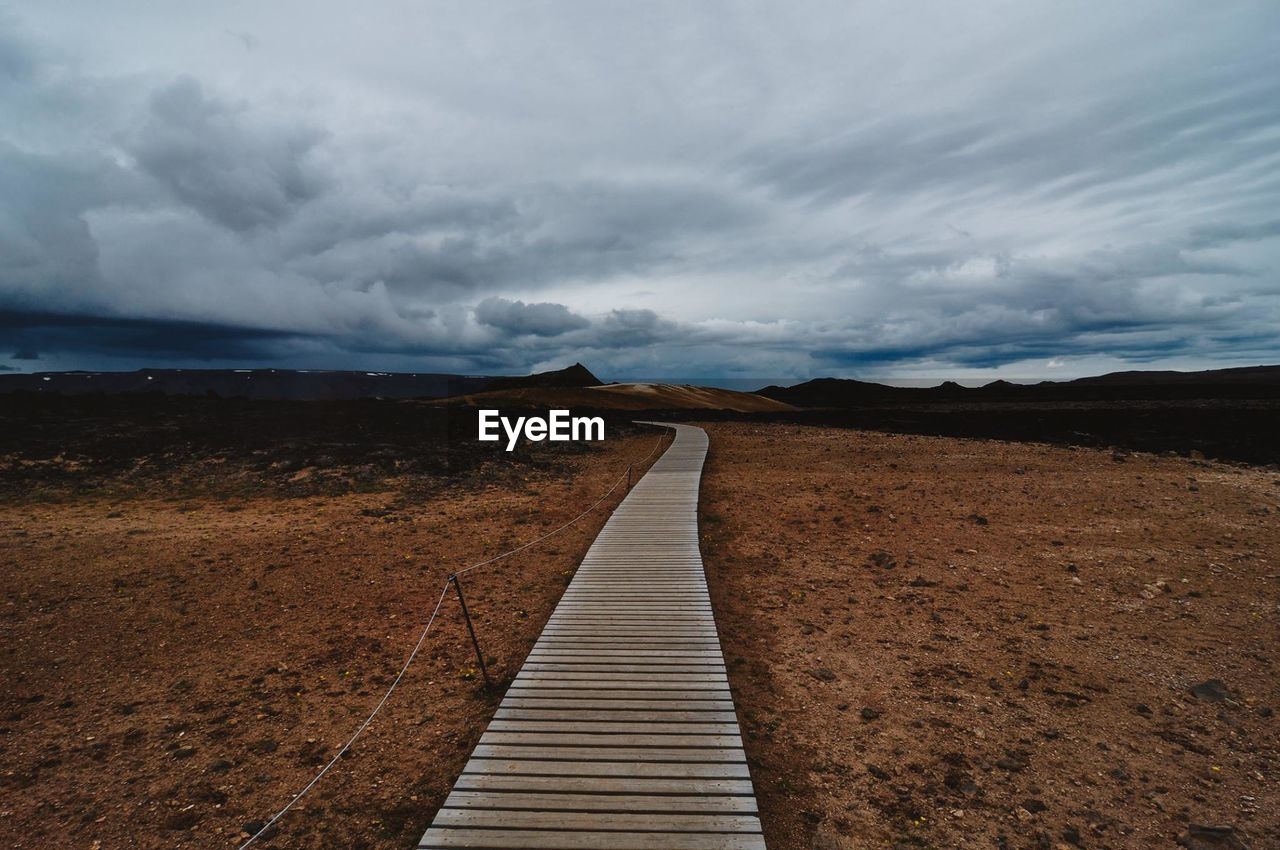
<point>619,731</point>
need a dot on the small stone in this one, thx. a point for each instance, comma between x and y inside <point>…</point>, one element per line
<point>882,559</point>
<point>1211,690</point>
<point>825,837</point>
<point>822,674</point>
<point>868,714</point>
<point>878,772</point>
<point>1206,837</point>
<point>1033,805</point>
<point>184,752</point>
<point>978,519</point>
<point>182,820</point>
<point>220,766</point>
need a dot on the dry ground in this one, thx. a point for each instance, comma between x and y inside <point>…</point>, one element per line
<point>174,669</point>
<point>933,642</point>
<point>939,642</point>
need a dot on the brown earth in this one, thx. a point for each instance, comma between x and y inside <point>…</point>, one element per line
<point>938,642</point>
<point>176,666</point>
<point>203,600</point>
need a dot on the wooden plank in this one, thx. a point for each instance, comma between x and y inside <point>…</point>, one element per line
<point>556,840</point>
<point>648,769</point>
<point>515,800</point>
<point>584,754</point>
<point>602,784</point>
<point>709,716</point>
<point>610,821</point>
<point>614,727</point>
<point>630,703</point>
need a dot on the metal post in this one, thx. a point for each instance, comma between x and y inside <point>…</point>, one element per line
<point>484,671</point>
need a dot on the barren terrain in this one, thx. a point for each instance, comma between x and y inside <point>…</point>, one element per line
<point>940,642</point>
<point>191,630</point>
<point>933,642</point>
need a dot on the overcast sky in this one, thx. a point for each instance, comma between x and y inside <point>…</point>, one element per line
<point>689,189</point>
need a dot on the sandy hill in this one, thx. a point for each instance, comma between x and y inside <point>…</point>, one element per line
<point>623,397</point>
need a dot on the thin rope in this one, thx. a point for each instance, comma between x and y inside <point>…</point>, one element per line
<point>296,797</point>
<point>418,646</point>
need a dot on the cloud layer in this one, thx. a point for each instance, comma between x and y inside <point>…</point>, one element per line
<point>697,190</point>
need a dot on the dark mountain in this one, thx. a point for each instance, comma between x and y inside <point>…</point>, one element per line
<point>283,384</point>
<point>1241,375</point>
<point>1252,382</point>
<point>576,375</point>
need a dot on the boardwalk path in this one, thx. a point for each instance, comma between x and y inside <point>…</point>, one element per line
<point>619,731</point>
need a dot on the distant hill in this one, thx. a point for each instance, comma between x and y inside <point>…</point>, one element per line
<point>1247,382</point>
<point>283,384</point>
<point>623,397</point>
<point>576,375</point>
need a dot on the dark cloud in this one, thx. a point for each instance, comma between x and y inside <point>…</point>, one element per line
<point>32,333</point>
<point>656,193</point>
<point>519,318</point>
<point>236,168</point>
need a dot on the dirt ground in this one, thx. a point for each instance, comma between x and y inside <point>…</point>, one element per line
<point>175,667</point>
<point>938,642</point>
<point>933,642</point>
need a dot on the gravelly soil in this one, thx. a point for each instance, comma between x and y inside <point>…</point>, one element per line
<point>175,667</point>
<point>938,642</point>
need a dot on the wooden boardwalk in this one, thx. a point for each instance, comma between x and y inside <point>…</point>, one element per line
<point>619,731</point>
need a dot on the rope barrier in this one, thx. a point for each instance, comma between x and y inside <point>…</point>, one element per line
<point>418,646</point>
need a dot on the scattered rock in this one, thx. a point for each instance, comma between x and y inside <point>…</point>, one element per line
<point>184,752</point>
<point>882,559</point>
<point>220,766</point>
<point>1014,761</point>
<point>878,772</point>
<point>1206,837</point>
<point>921,581</point>
<point>868,714</point>
<point>264,746</point>
<point>1211,690</point>
<point>1034,805</point>
<point>825,837</point>
<point>978,519</point>
<point>822,674</point>
<point>182,820</point>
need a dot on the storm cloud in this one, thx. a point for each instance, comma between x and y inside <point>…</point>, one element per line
<point>697,190</point>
